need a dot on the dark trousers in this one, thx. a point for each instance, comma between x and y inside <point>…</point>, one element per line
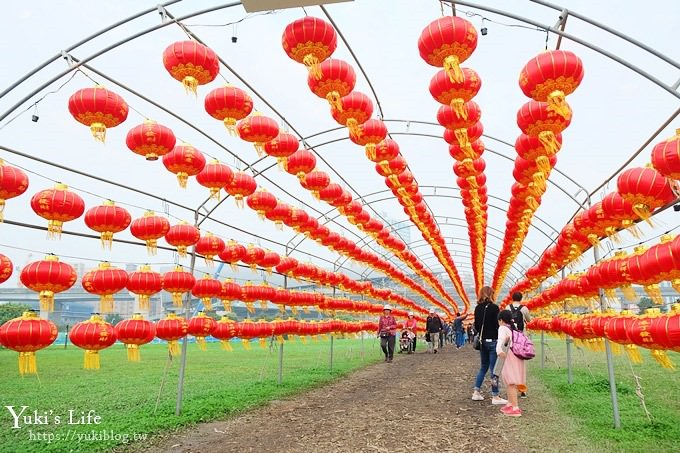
<point>387,345</point>
<point>413,344</point>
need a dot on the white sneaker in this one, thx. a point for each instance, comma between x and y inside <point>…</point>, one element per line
<point>476,396</point>
<point>498,401</point>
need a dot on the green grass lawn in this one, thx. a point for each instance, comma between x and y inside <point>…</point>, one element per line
<point>123,394</point>
<point>588,399</point>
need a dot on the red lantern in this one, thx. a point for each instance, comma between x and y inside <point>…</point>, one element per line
<point>282,146</point>
<point>215,176</point>
<point>205,289</point>
<point>150,228</point>
<point>48,277</point>
<point>301,163</point>
<point>209,246</point>
<point>344,198</point>
<point>241,186</point>
<point>384,152</point>
<point>258,130</point>
<point>370,134</point>
<point>13,182</point>
<point>550,76</point>
<point>182,236</point>
<point>150,140</point>
<point>6,268</point>
<point>315,181</point>
<point>337,80</point>
<point>191,63</point>
<point>532,148</point>
<point>253,256</point>
<point>356,109</point>
<point>228,104</point>
<point>184,161</point>
<point>309,41</point>
<point>393,168</point>
<point>177,282</point>
<point>98,108</point>
<point>279,214</point>
<point>92,335</point>
<point>172,329</point>
<point>201,326</point>
<point>447,42</point>
<point>473,133</point>
<point>233,253</point>
<point>26,335</point>
<point>646,189</point>
<point>57,206</point>
<point>133,333</point>
<point>261,202</point>
<point>330,193</point>
<point>107,220</point>
<point>230,291</point>
<point>665,157</point>
<point>105,281</point>
<point>455,94</point>
<point>538,120</point>
<point>144,283</point>
<point>225,329</point>
<point>460,120</point>
<point>473,151</point>
<point>270,260</point>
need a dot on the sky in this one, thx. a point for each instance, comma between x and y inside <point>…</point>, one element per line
<point>615,112</point>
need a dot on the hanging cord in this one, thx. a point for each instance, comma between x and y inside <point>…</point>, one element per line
<point>638,391</point>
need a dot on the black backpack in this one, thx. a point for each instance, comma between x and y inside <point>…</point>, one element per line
<point>518,316</point>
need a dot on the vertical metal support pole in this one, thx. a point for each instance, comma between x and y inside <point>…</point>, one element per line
<point>183,362</point>
<point>610,359</point>
<point>542,349</point>
<point>570,341</point>
<point>66,337</point>
<point>285,286</point>
<point>332,337</point>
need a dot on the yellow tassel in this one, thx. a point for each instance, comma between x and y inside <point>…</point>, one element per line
<point>200,341</point>
<point>610,293</point>
<point>239,201</point>
<point>628,292</point>
<point>642,211</point>
<point>543,164</point>
<point>452,69</point>
<point>458,106</point>
<point>106,303</point>
<point>98,131</point>
<point>263,343</point>
<point>333,98</point>
<point>133,354</point>
<point>370,151</point>
<point>676,284</point>
<point>263,305</point>
<point>190,85</point>
<point>144,302</point>
<point>250,307</point>
<point>558,104</point>
<point>182,178</point>
<point>633,353</point>
<point>182,251</point>
<point>312,63</point>
<point>462,137</point>
<point>106,240</point>
<point>46,301</point>
<point>353,127</point>
<point>616,348</point>
<point>246,344</point>
<point>227,305</point>
<point>294,310</point>
<point>173,348</point>
<point>230,124</point>
<point>662,358</point>
<point>91,360</point>
<point>27,363</point>
<point>226,345</point>
<point>207,303</point>
<point>549,142</point>
<point>279,339</point>
<point>303,339</point>
<point>177,299</point>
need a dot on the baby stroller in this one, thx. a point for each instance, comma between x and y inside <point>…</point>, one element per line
<point>405,340</point>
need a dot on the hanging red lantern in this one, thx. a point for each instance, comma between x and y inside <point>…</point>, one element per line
<point>258,130</point>
<point>551,76</point>
<point>646,189</point>
<point>184,161</point>
<point>241,186</point>
<point>225,330</point>
<point>57,206</point>
<point>287,265</point>
<point>144,282</point>
<point>107,220</point>
<point>105,281</point>
<point>300,163</point>
<point>460,120</point>
<point>469,168</point>
<point>172,329</point>
<point>177,282</point>
<point>279,214</point>
<point>26,335</point>
<point>270,260</point>
<point>215,176</point>
<point>6,268</point>
<point>538,120</point>
<point>209,246</point>
<point>13,182</point>
<point>182,236</point>
<point>330,193</point>
<point>473,133</point>
<point>201,326</point>
<point>369,135</point>
<point>447,42</point>
<point>384,152</point>
<point>150,228</point>
<point>99,109</point>
<point>473,151</point>
<point>151,140</point>
<point>253,256</point>
<point>191,63</point>
<point>92,335</point>
<point>261,202</point>
<point>48,277</point>
<point>356,109</point>
<point>232,253</point>
<point>344,199</point>
<point>315,181</point>
<point>337,80</point>
<point>230,291</point>
<point>665,157</point>
<point>134,333</point>
<point>532,148</point>
<point>393,168</point>
<point>455,94</point>
<point>228,104</point>
<point>281,147</point>
<point>309,41</point>
<point>205,289</point>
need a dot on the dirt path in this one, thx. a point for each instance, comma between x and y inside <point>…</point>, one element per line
<point>420,402</point>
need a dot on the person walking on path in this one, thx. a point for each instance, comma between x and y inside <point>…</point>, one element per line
<point>510,367</point>
<point>387,331</point>
<point>411,324</point>
<point>459,330</point>
<point>486,323</point>
<point>434,327</point>
<point>520,316</point>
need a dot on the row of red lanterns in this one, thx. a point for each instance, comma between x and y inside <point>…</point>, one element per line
<point>454,87</point>
<point>29,333</point>
<point>651,330</point>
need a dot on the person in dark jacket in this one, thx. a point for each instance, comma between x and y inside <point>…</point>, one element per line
<point>434,327</point>
<point>486,323</point>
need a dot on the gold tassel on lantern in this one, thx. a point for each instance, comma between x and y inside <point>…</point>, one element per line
<point>662,359</point>
<point>106,303</point>
<point>200,341</point>
<point>333,98</point>
<point>227,305</point>
<point>27,363</point>
<point>144,302</point>
<point>628,292</point>
<point>250,307</point>
<point>558,104</point>
<point>91,360</point>
<point>226,345</point>
<point>633,353</point>
<point>452,69</point>
<point>458,106</point>
<point>543,164</point>
<point>549,142</point>
<point>207,303</point>
<point>246,344</point>
<point>133,353</point>
<point>462,137</point>
<point>616,348</point>
<point>312,63</point>
<point>263,343</point>
<point>98,131</point>
<point>177,299</point>
<point>46,301</point>
<point>173,348</point>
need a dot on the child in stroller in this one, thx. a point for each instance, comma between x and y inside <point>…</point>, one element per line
<point>405,341</point>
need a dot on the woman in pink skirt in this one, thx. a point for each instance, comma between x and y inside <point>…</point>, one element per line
<point>513,369</point>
